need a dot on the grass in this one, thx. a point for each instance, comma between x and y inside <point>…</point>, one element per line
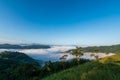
<point>107,68</point>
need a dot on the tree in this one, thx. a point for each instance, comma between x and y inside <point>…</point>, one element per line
<point>96,55</point>
<point>77,52</point>
<point>48,66</point>
<point>107,53</point>
<point>92,55</point>
<point>63,58</point>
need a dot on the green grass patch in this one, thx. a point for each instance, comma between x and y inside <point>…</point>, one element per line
<point>107,68</point>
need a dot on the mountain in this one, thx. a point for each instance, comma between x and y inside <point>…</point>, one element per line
<point>16,46</point>
<point>104,49</point>
<point>17,57</point>
<point>107,68</point>
<point>17,66</point>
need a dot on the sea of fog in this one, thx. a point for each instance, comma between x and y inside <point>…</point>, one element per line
<point>54,53</point>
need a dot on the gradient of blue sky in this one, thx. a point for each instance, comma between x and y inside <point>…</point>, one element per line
<point>82,22</point>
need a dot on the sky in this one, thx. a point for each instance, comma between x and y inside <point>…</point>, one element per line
<point>60,22</point>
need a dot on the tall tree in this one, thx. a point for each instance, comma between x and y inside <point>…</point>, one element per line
<point>77,52</point>
<point>96,54</point>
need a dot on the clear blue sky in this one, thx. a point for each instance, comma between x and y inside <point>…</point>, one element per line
<point>81,22</point>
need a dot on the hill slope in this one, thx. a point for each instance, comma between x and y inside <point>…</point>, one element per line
<point>16,46</point>
<point>105,49</point>
<point>17,57</point>
<point>107,68</point>
<point>17,66</point>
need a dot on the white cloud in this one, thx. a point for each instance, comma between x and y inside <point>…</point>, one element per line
<point>54,53</point>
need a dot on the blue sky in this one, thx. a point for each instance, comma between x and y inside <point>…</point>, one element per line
<point>79,22</point>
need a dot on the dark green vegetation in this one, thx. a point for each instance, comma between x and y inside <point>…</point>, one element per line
<point>18,66</point>
<point>105,49</point>
<point>17,57</point>
<point>77,52</point>
<point>10,46</point>
<point>107,68</point>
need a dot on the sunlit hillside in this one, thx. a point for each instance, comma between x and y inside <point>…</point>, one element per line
<point>107,68</point>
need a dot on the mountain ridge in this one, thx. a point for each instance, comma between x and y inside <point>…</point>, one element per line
<point>25,46</point>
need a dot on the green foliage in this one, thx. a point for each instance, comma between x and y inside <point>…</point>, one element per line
<point>15,65</point>
<point>25,72</point>
<point>18,66</point>
<point>115,59</point>
<point>105,49</point>
<point>77,52</point>
<point>95,70</point>
<point>17,57</point>
<point>12,67</point>
<point>54,67</point>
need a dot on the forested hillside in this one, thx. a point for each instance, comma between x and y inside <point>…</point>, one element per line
<point>107,68</point>
<point>11,46</point>
<point>19,66</point>
<point>106,49</point>
<point>17,57</point>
